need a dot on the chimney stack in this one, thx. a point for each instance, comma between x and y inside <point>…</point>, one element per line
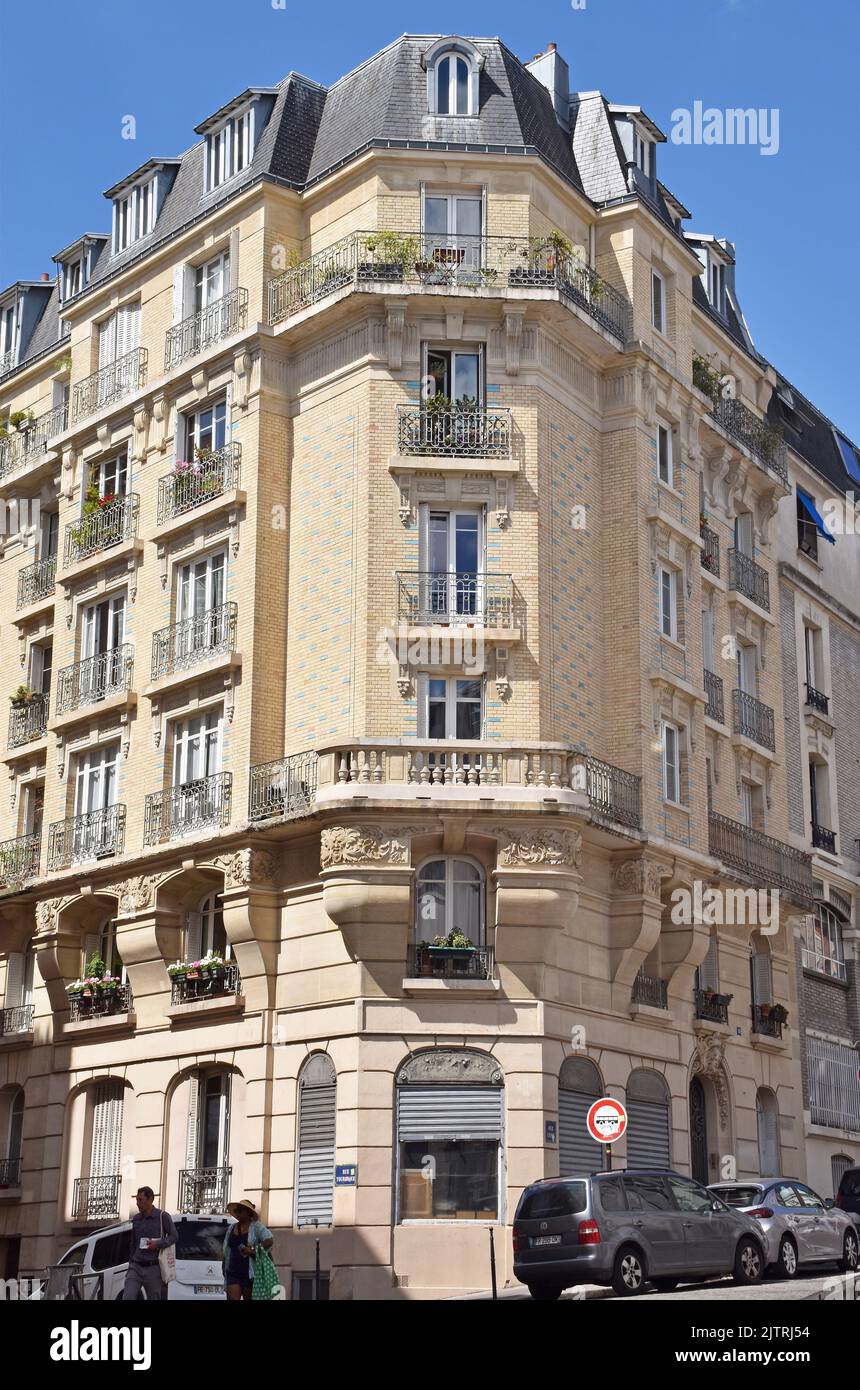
<point>45,276</point>
<point>552,72</point>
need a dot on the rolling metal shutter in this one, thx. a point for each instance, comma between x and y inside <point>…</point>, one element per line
<point>578,1153</point>
<point>647,1134</point>
<point>315,1174</point>
<point>449,1112</point>
<point>768,1137</point>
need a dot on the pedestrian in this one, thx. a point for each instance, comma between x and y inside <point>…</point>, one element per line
<point>151,1232</point>
<point>239,1244</point>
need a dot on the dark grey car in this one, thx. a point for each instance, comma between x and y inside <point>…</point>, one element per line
<point>627,1229</point>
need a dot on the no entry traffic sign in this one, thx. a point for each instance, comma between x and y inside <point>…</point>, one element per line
<point>606,1120</point>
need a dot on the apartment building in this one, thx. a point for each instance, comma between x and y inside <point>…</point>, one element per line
<point>398,628</point>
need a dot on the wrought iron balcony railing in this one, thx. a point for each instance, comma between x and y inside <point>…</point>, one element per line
<point>764,1022</point>
<point>753,720</point>
<point>20,447</point>
<point>447,963</point>
<point>204,1189</point>
<point>365,259</point>
<point>615,795</point>
<point>283,788</point>
<point>109,384</point>
<point>185,809</point>
<point>95,835</point>
<point>196,639</point>
<point>99,530</point>
<point>19,860</point>
<point>10,1172</point>
<point>28,721</point>
<point>710,550</point>
<point>96,1199</point>
<point>822,838</point>
<point>816,700</point>
<point>428,597</point>
<point>102,1004</point>
<point>17,1019</point>
<point>226,980</point>
<point>198,481</point>
<point>220,319</point>
<point>714,709</point>
<point>98,678</point>
<point>648,989</point>
<point>36,581</point>
<point>764,442</point>
<point>749,579</point>
<point>7,360</point>
<point>467,433</point>
<point>712,1007</point>
<point>759,858</point>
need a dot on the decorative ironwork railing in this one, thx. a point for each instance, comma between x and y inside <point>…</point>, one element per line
<point>96,1199</point>
<point>648,989</point>
<point>816,700</point>
<point>7,360</point>
<point>749,579</point>
<point>764,442</point>
<point>714,1008</point>
<point>758,857</point>
<point>17,1019</point>
<point>95,679</point>
<point>186,808</point>
<point>710,556</point>
<point>101,1004</point>
<point>753,720</point>
<point>714,708</point>
<point>225,979</point>
<point>196,639</point>
<point>822,838</point>
<point>436,597</point>
<point>10,1172</point>
<point>28,721</point>
<point>36,581</point>
<point>198,481</point>
<point>459,261</point>
<point>109,384</point>
<point>283,788</point>
<point>471,433</point>
<point>19,860</point>
<point>204,1189</point>
<point>95,835</point>
<point>764,1022</point>
<point>615,795</point>
<point>220,319</point>
<point>102,529</point>
<point>450,963</point>
<point>19,447</point>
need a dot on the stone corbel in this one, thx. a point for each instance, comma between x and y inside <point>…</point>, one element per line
<point>648,395</point>
<point>61,757</point>
<point>404,485</point>
<point>13,788</point>
<point>513,341</point>
<point>454,326</point>
<point>715,760</point>
<point>762,645</point>
<point>199,383</point>
<point>404,680</point>
<point>503,684</point>
<point>125,732</point>
<point>395,324</point>
<point>22,646</point>
<point>67,599</point>
<point>233,523</point>
<point>230,695</point>
<point>688,565</point>
<point>768,784</point>
<point>161,552</point>
<point>141,432</point>
<point>67,472</point>
<point>694,448</point>
<point>503,515</point>
<point>133,562</point>
<point>767,511</point>
<point>161,418</point>
<point>103,435</point>
<point>242,364</point>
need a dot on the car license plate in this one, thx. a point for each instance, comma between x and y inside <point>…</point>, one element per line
<point>208,1289</point>
<point>546,1240</point>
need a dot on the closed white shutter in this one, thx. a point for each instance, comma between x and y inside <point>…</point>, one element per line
<point>647,1134</point>
<point>14,980</point>
<point>762,979</point>
<point>127,329</point>
<point>107,341</point>
<point>449,1112</point>
<point>316,1153</point>
<point>92,941</point>
<point>107,1130</point>
<point>578,1153</point>
<point>179,276</point>
<point>709,970</point>
<point>192,1131</point>
<point>194,936</point>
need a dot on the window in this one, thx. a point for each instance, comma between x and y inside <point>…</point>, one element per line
<point>8,336</point>
<point>834,1089</point>
<point>807,531</point>
<point>41,663</point>
<point>49,535</point>
<point>671,763</point>
<point>767,1122</point>
<point>814,658</point>
<point>451,560</point>
<point>452,230</point>
<point>658,301</point>
<point>34,808</point>
<point>119,335</point>
<point>200,609</point>
<point>73,278</point>
<point>106,1107</point>
<point>708,973</point>
<point>747,665</point>
<point>453,708</point>
<point>14,1140</point>
<point>110,1251</point>
<point>95,832</point>
<point>205,931</point>
<point>104,945</point>
<point>457,375</point>
<point>690,1196</point>
<point>197,748</point>
<point>230,149</point>
<point>744,539</point>
<point>211,282</point>
<point>563,1199</point>
<point>761,974</point>
<point>315,1159</point>
<point>822,943</point>
<point>305,1287</point>
<point>849,457</point>
<point>643,152</point>
<point>206,429</point>
<point>648,1135</point>
<point>752,814</point>
<point>717,285</point>
<point>134,214</point>
<point>665,461</point>
<point>102,668</point>
<point>579,1086</point>
<point>668,580</point>
<point>449,897</point>
<point>452,79</point>
<point>708,638</point>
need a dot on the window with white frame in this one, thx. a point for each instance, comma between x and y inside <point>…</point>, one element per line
<point>206,429</point>
<point>230,148</point>
<point>197,748</point>
<point>671,745</point>
<point>456,373</point>
<point>205,931</point>
<point>822,942</point>
<point>97,830</point>
<point>643,152</point>
<point>120,334</point>
<point>658,301</point>
<point>134,214</point>
<point>668,590</point>
<point>73,278</point>
<point>717,285</point>
<point>104,946</point>
<point>452,708</point>
<point>8,334</point>
<point>747,665</point>
<point>452,227</point>
<point>453,81</point>
<point>665,455</point>
<point>110,477</point>
<point>449,897</point>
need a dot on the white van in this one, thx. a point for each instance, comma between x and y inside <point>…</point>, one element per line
<point>199,1248</point>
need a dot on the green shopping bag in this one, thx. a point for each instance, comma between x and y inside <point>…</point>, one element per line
<point>265,1275</point>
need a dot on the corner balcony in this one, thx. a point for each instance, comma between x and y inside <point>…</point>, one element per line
<point>87,838</point>
<point>204,1189</point>
<point>504,267</point>
<point>714,708</point>
<point>284,788</point>
<point>104,680</point>
<point>219,320</point>
<point>759,859</point>
<point>96,1200</point>
<point>16,1020</point>
<point>213,994</point>
<point>109,384</point>
<point>109,533</point>
<point>203,644</point>
<point>36,586</point>
<point>19,860</point>
<point>453,433</point>
<point>198,490</point>
<point>28,721</point>
<point>754,434</point>
<point>429,962</point>
<point>20,449</point>
<point>430,598</point>
<point>753,720</point>
<point>710,556</point>
<point>187,809</point>
<point>748,578</point>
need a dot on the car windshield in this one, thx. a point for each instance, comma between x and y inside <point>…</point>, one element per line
<point>850,1184</point>
<point>200,1240</point>
<point>563,1199</point>
<point>739,1196</point>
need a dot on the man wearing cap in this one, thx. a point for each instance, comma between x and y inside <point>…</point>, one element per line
<point>151,1230</point>
<point>240,1243</point>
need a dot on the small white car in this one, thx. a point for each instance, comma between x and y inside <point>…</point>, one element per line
<point>799,1226</point>
<point>199,1247</point>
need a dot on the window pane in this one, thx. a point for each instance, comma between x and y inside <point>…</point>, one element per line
<point>467,910</point>
<point>438,368</point>
<point>466,376</point>
<point>562,1199</point>
<point>430,902</point>
<point>462,88</point>
<point>436,216</point>
<point>468,214</point>
<point>453,1179</point>
<point>443,79</point>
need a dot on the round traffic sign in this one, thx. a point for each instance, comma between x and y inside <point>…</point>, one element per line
<point>606,1120</point>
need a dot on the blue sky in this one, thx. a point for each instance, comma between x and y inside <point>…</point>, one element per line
<point>793,216</point>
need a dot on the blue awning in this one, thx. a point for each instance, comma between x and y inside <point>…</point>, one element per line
<point>815,515</point>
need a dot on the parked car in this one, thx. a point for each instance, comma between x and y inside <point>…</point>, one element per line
<point>627,1229</point>
<point>848,1196</point>
<point>799,1227</point>
<point>199,1248</point>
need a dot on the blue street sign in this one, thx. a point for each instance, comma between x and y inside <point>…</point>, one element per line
<point>346,1175</point>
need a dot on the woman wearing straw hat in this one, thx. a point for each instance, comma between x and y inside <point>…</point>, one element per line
<point>239,1244</point>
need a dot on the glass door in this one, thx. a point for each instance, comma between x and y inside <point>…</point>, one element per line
<point>452,236</point>
<point>102,635</point>
<point>215,1129</point>
<point>95,790</point>
<point>196,758</point>
<point>200,606</point>
<point>454,568</point>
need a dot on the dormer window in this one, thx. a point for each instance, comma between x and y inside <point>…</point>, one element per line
<point>643,153</point>
<point>452,78</point>
<point>134,214</point>
<point>230,149</point>
<point>717,286</point>
<point>73,272</point>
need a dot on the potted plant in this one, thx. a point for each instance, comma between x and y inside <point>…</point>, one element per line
<point>765,1010</point>
<point>390,254</point>
<point>705,378</point>
<point>779,1014</point>
<point>22,420</point>
<point>177,971</point>
<point>22,697</point>
<point>193,970</point>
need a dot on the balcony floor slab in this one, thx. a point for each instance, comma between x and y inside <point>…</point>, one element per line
<point>226,661</point>
<point>125,700</point>
<point>41,607</point>
<point>224,502</point>
<point>126,550</point>
<point>28,750</point>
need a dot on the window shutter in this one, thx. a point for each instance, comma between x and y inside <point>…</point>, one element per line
<point>231,269</point>
<point>762,979</point>
<point>107,341</point>
<point>578,1153</point>
<point>91,948</point>
<point>316,1148</point>
<point>709,971</point>
<point>107,1130</point>
<point>179,275</point>
<point>647,1134</point>
<point>768,1139</point>
<point>192,1131</point>
<point>14,980</point>
<point>194,936</point>
<point>449,1112</point>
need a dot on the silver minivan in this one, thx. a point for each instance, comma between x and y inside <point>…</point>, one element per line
<point>199,1249</point>
<point>627,1229</point>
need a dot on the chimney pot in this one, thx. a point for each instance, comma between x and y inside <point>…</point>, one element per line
<point>551,47</point>
<point>45,275</point>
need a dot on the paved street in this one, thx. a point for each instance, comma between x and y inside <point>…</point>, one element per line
<point>808,1286</point>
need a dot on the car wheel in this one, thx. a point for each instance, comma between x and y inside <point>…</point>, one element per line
<point>786,1260</point>
<point>749,1263</point>
<point>628,1272</point>
<point>545,1293</point>
<point>665,1285</point>
<point>850,1253</point>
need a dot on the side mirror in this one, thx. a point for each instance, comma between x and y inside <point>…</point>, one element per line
<point>829,1204</point>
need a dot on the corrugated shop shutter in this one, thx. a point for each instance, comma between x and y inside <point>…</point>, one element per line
<point>449,1112</point>
<point>316,1149</point>
<point>578,1153</point>
<point>647,1134</point>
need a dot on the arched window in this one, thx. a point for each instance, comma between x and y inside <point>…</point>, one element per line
<point>205,1180</point>
<point>452,77</point>
<point>761,974</point>
<point>648,1129</point>
<point>205,930</point>
<point>839,1164</point>
<point>11,1136</point>
<point>767,1119</point>
<point>822,942</point>
<point>315,1155</point>
<point>579,1086</point>
<point>96,1196</point>
<point>449,897</point>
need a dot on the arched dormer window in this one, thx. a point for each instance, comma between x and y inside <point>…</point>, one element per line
<point>453,68</point>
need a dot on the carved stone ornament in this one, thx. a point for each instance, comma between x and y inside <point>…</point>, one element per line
<point>528,848</point>
<point>641,876</point>
<point>47,912</point>
<point>247,866</point>
<point>136,893</point>
<point>446,1065</point>
<point>366,844</point>
<point>709,1060</point>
